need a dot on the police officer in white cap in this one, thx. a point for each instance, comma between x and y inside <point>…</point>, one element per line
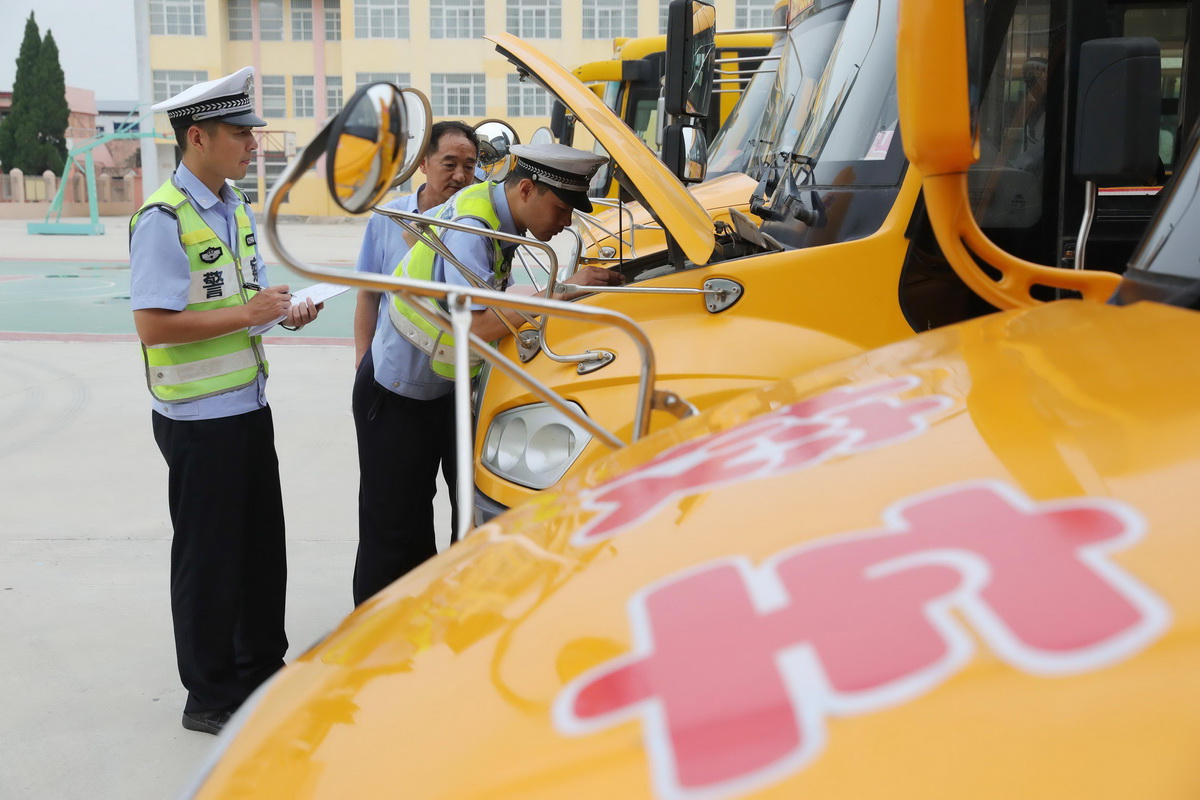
<point>197,284</point>
<point>415,411</point>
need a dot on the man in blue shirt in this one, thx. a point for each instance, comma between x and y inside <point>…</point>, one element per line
<point>197,284</point>
<point>405,416</point>
<point>392,375</point>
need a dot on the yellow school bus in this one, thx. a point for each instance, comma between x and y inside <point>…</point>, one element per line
<point>957,566</point>
<point>830,251</point>
<point>630,84</point>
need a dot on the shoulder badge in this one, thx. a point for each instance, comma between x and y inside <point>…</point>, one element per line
<point>210,255</point>
<point>250,240</point>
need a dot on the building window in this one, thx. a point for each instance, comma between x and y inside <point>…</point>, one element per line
<point>303,100</point>
<point>381,19</point>
<point>302,20</point>
<point>607,19</point>
<point>663,5</point>
<point>535,19</point>
<point>170,82</point>
<point>177,18</point>
<point>274,96</point>
<point>270,20</point>
<point>333,21</point>
<point>241,21</point>
<point>455,19</point>
<point>753,13</point>
<point>526,99</point>
<point>333,95</point>
<point>401,79</point>
<point>458,94</point>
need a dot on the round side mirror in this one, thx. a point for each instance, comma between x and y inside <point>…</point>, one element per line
<point>419,116</point>
<point>495,137</point>
<point>542,135</point>
<point>367,145</point>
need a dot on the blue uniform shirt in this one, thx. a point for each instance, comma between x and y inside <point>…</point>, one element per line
<point>382,248</point>
<point>401,367</point>
<point>160,276</point>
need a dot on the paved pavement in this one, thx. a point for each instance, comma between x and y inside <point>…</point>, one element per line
<point>87,677</point>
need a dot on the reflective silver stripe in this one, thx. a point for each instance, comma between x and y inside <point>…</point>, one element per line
<point>445,354</point>
<point>198,291</point>
<point>407,328</point>
<point>438,351</point>
<point>175,374</point>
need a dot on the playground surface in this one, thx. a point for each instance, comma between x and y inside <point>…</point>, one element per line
<point>88,679</point>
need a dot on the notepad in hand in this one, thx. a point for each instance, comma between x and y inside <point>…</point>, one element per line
<point>318,293</point>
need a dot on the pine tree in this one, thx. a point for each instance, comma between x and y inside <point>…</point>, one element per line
<point>51,114</point>
<point>15,132</point>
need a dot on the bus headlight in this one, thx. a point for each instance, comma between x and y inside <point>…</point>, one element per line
<point>533,445</point>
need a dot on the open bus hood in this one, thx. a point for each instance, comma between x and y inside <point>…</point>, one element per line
<point>666,197</point>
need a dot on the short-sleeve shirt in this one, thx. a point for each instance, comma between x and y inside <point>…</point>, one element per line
<point>400,366</point>
<point>160,277</point>
<point>383,247</point>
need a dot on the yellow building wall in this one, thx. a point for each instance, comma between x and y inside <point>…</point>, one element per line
<point>419,56</point>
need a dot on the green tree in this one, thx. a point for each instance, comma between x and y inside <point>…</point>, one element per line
<point>14,130</point>
<point>33,136</point>
<point>51,114</point>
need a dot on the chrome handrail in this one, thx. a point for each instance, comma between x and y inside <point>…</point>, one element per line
<point>457,297</point>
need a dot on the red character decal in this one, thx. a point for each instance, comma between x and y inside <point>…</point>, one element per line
<point>848,420</point>
<point>735,668</point>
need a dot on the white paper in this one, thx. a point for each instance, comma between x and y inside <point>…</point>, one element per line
<point>319,292</point>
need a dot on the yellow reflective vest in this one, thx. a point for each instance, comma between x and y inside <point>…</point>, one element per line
<point>474,202</point>
<point>179,372</point>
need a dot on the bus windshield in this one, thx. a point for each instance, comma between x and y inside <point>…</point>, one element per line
<point>791,95</point>
<point>731,149</point>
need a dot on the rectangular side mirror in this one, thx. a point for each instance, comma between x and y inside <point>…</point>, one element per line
<point>685,152</point>
<point>562,124</point>
<point>1118,111</point>
<point>691,54</point>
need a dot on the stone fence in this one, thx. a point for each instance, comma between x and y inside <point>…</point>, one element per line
<point>28,196</point>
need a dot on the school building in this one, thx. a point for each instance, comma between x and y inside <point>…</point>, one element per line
<point>310,56</point>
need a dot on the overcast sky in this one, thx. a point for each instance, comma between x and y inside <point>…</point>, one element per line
<point>95,42</point>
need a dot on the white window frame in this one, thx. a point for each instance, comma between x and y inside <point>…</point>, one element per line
<point>177,18</point>
<point>302,20</point>
<point>608,19</point>
<point>334,96</point>
<point>241,20</point>
<point>526,98</point>
<point>274,89</point>
<point>458,94</point>
<point>381,19</point>
<point>753,13</point>
<point>534,19</point>
<point>170,82</point>
<point>304,97</point>
<point>401,79</point>
<point>455,19</point>
<point>333,21</point>
<point>270,20</point>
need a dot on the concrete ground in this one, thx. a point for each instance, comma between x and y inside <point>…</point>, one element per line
<point>88,685</point>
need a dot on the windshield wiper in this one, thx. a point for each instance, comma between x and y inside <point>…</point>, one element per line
<point>786,170</point>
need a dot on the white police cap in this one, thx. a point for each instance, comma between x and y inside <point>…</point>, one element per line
<point>229,99</point>
<point>564,169</point>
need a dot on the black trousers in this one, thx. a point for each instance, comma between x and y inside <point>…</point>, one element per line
<point>228,555</point>
<point>401,443</point>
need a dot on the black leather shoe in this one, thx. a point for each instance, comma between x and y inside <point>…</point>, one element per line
<point>205,721</point>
